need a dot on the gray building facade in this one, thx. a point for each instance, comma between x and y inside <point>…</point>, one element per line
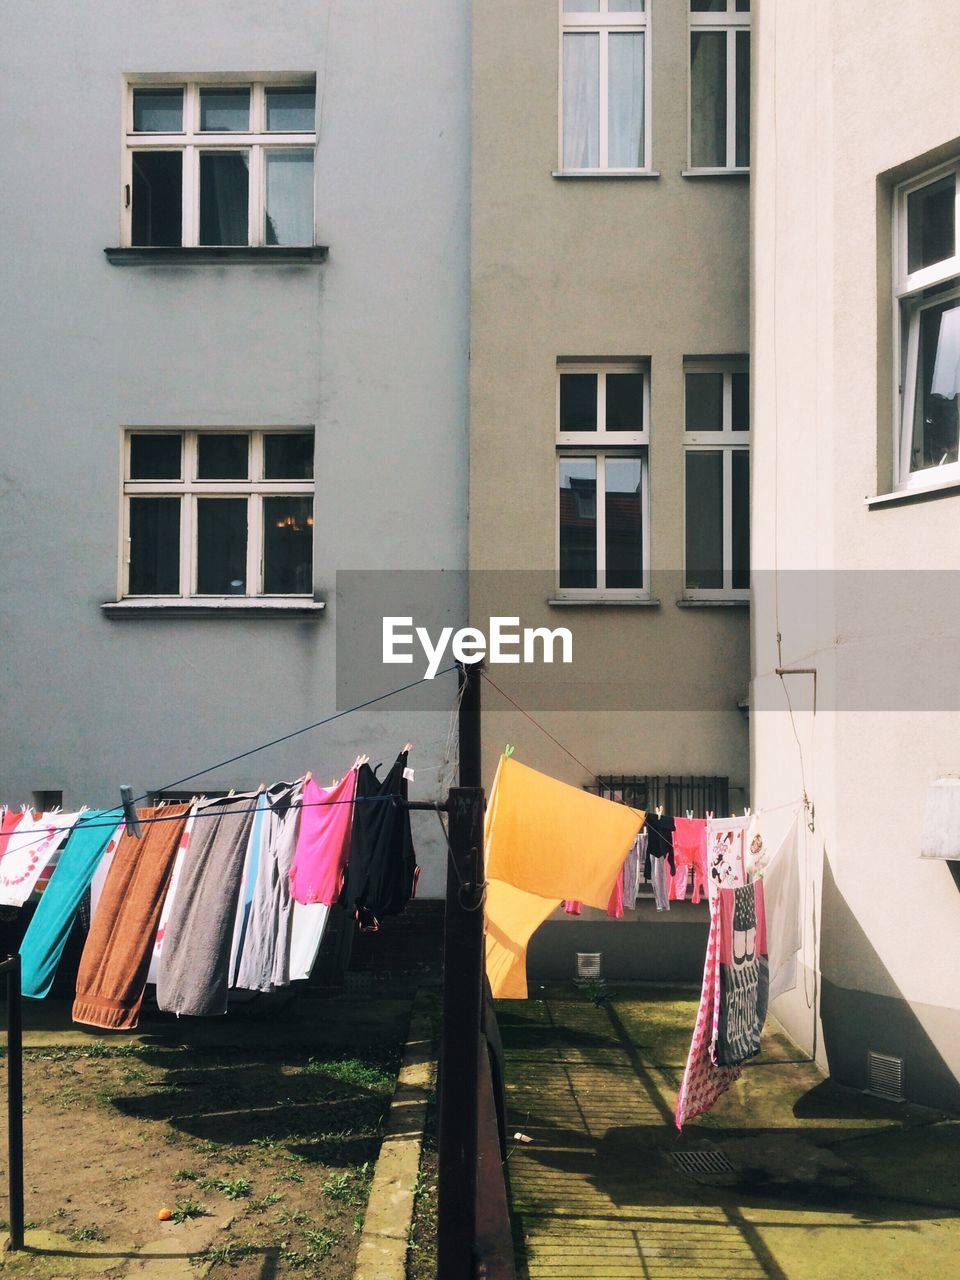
<point>205,424</point>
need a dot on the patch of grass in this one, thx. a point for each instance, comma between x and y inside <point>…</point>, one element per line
<point>293,1216</point>
<point>321,1241</point>
<point>91,1232</point>
<point>186,1175</point>
<point>358,1223</point>
<point>228,1254</point>
<point>232,1188</point>
<point>350,1187</point>
<point>293,1176</point>
<point>265,1202</point>
<point>356,1071</point>
<point>233,1157</point>
<point>184,1209</point>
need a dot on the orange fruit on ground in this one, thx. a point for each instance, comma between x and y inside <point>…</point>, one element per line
<point>164,1214</point>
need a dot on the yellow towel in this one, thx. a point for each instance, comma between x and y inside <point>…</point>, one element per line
<point>544,841</point>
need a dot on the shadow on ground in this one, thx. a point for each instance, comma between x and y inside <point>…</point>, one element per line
<point>811,1179</point>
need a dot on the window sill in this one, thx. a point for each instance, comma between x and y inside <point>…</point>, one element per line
<point>593,175</point>
<point>917,493</point>
<point>715,173</point>
<point>214,607</point>
<point>579,602</point>
<point>725,602</point>
<point>202,255</point>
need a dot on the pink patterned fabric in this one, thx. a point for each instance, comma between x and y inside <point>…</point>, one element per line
<point>323,843</point>
<point>689,850</point>
<point>704,1082</point>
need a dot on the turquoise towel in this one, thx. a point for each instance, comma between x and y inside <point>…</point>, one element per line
<point>50,927</point>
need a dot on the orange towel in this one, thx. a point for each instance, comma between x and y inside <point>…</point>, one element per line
<point>116,958</point>
<point>544,841</point>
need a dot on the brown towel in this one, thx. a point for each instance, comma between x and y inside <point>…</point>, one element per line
<point>116,957</point>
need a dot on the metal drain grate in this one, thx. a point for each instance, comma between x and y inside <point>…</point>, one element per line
<point>702,1163</point>
<point>885,1073</point>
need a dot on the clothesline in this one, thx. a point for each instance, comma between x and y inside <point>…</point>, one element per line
<point>174,817</point>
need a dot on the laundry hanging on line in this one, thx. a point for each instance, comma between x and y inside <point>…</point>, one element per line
<point>203,901</point>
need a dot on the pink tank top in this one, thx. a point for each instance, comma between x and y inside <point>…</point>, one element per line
<point>323,842</point>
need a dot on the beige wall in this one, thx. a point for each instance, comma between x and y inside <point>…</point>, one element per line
<point>850,97</point>
<point>652,268</point>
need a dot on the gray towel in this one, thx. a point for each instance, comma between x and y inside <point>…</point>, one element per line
<point>265,961</point>
<point>195,959</point>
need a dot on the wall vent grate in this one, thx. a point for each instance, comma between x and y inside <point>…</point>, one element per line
<point>589,964</point>
<point>701,1163</point>
<point>885,1073</point>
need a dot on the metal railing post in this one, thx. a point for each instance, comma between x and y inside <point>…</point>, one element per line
<point>14,1100</point>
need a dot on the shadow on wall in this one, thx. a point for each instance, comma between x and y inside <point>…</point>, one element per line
<point>856,1021</point>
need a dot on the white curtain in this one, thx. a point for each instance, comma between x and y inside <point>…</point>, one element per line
<point>625,100</point>
<point>289,216</point>
<point>581,100</point>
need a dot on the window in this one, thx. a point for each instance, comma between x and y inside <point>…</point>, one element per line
<point>717,479</point>
<point>604,76</point>
<point>927,286</point>
<point>218,513</point>
<point>719,84</point>
<point>603,414</point>
<point>218,164</point>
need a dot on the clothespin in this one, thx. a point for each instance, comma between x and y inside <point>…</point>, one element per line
<point>690,814</point>
<point>746,812</point>
<point>407,746</point>
<point>130,822</point>
<point>710,813</point>
<point>508,751</point>
<point>659,810</point>
<point>307,777</point>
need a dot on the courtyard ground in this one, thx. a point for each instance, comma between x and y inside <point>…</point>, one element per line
<point>260,1131</point>
<point>791,1177</point>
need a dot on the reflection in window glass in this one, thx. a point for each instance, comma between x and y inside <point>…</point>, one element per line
<point>935,423</point>
<point>222,456</point>
<point>154,457</point>
<point>221,546</point>
<point>625,100</point>
<point>708,99</point>
<point>578,402</point>
<point>624,401</point>
<point>740,389</point>
<point>741,519</point>
<point>288,455</point>
<point>287,546</point>
<point>578,522</point>
<point>626,6</point>
<point>154,547</point>
<point>708,6</point>
<point>931,234</point>
<point>581,100</point>
<point>158,110</point>
<point>742,157</point>
<point>157,215</point>
<point>581,6</point>
<point>704,401</point>
<point>291,110</point>
<point>225,110</point>
<point>289,192</point>
<point>224,190</point>
<point>704,520</point>
<point>623,514</point>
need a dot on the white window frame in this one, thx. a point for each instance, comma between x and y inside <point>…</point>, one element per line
<point>603,23</point>
<point>726,441</point>
<point>577,446</point>
<point>727,23</point>
<point>188,488</point>
<point>908,307</point>
<point>191,141</point>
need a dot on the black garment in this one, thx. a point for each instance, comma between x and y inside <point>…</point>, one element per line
<point>382,868</point>
<point>659,842</point>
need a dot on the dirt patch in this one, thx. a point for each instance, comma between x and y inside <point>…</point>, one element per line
<point>261,1142</point>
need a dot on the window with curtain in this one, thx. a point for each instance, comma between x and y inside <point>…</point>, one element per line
<point>602,486</point>
<point>604,86</point>
<point>218,513</point>
<point>927,271</point>
<point>219,165</point>
<point>716,479</point>
<point>719,101</point>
